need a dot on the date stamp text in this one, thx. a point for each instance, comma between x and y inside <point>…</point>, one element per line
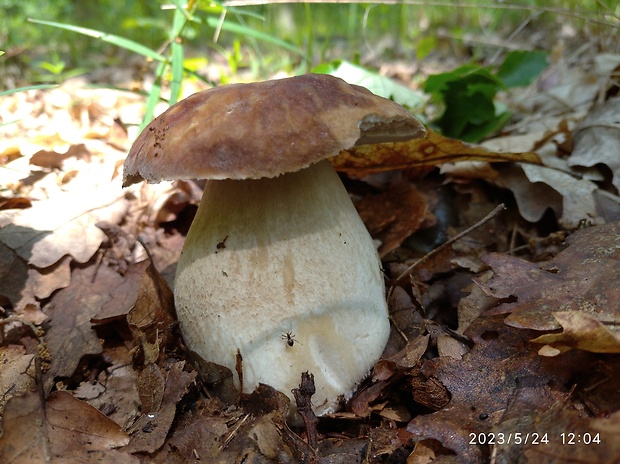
<point>534,438</point>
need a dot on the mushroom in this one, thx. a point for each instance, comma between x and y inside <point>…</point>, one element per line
<point>277,264</point>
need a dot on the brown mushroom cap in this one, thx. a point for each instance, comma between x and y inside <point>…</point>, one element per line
<point>264,129</point>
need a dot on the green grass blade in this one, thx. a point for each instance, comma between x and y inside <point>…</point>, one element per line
<point>177,72</point>
<point>215,7</point>
<point>176,51</point>
<point>143,93</point>
<point>248,32</point>
<point>30,87</point>
<point>154,96</point>
<point>8,123</point>
<point>186,9</point>
<point>180,19</point>
<point>110,38</point>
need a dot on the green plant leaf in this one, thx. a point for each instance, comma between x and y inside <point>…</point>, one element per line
<point>326,68</point>
<point>376,83</point>
<point>436,84</point>
<point>522,67</point>
<point>467,95</point>
<point>54,68</point>
<point>425,46</point>
<point>110,38</point>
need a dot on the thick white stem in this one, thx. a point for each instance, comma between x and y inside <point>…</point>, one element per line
<point>268,257</point>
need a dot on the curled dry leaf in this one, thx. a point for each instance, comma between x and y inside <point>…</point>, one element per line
<point>64,429</point>
<point>429,392</point>
<point>120,400</point>
<point>578,200</point>
<point>62,225</point>
<point>160,390</point>
<point>383,442</point>
<point>539,188</point>
<point>574,437</point>
<point>14,275</point>
<point>433,150</point>
<point>152,319</point>
<point>408,357</point>
<point>70,335</point>
<point>23,285</point>
<point>533,199</point>
<point>195,435</point>
<point>360,404</point>
<point>394,214</point>
<point>15,203</point>
<point>17,373</point>
<point>597,138</point>
<point>581,278</point>
<point>500,377</point>
<point>24,431</point>
<point>263,439</point>
<point>74,423</point>
<point>52,159</point>
<point>581,331</point>
<point>397,412</point>
<point>125,295</point>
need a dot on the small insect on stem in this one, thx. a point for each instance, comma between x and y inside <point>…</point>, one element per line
<point>290,338</point>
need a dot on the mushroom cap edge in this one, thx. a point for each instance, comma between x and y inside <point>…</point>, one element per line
<point>264,129</point>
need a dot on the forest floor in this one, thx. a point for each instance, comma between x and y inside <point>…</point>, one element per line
<point>504,344</point>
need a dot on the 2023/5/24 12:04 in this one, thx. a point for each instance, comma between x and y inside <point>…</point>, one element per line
<point>534,438</point>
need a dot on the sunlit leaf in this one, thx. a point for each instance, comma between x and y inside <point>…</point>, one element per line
<point>433,150</point>
<point>467,95</point>
<point>373,81</point>
<point>424,46</point>
<point>522,67</point>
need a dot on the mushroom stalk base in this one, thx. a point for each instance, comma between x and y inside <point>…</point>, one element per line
<point>284,271</point>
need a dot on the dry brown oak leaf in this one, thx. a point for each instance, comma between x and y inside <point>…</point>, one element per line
<point>62,429</point>
<point>432,150</point>
<point>70,335</point>
<point>577,290</point>
<point>502,378</point>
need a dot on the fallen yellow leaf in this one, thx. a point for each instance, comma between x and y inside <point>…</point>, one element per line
<point>432,150</point>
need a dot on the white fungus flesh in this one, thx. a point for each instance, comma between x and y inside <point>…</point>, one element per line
<point>283,270</point>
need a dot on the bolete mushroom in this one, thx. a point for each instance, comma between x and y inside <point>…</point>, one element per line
<point>277,263</point>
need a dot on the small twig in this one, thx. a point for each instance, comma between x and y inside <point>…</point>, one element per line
<point>400,332</point>
<point>303,396</point>
<point>37,332</point>
<point>233,432</point>
<point>514,35</point>
<point>239,370</point>
<point>146,248</point>
<point>501,207</point>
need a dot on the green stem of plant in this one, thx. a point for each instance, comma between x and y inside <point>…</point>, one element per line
<point>310,38</point>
